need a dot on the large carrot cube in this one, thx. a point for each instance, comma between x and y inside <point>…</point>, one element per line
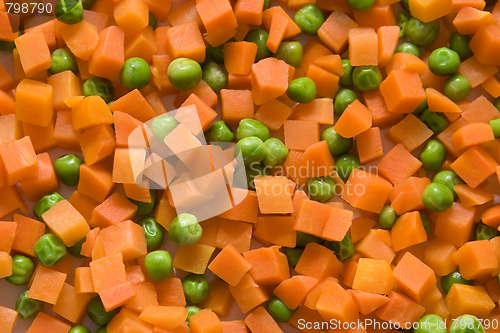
<point>269,80</point>
<point>219,20</point>
<point>179,46</point>
<point>66,222</point>
<point>236,105</point>
<point>476,259</point>
<point>71,305</point>
<point>34,102</point>
<point>374,276</point>
<point>47,284</point>
<point>34,52</point>
<point>115,209</point>
<point>474,166</point>
<point>193,258</point>
<point>402,91</point>
<point>274,194</point>
<point>319,262</point>
<point>268,265</point>
<point>366,191</point>
<point>19,159</point>
<point>414,277</point>
<point>230,265</point>
<point>108,272</point>
<point>125,237</point>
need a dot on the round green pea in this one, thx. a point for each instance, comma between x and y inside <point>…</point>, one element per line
<point>79,329</point>
<point>484,232</point>
<point>26,307</point>
<point>214,76</point>
<point>407,47</point>
<point>69,11</point>
<point>185,229</point>
<point>436,121</point>
<point>252,150</point>
<point>49,250</point>
<point>216,53</point>
<point>276,152</point>
<point>255,169</point>
<point>192,309</point>
<point>7,46</point>
<point>98,86</point>
<point>321,189</point>
<point>495,126</point>
<point>195,288</point>
<point>45,203</point>
<point>259,37</point>
<point>97,313</point>
<point>67,169</point>
<point>346,78</point>
<point>437,197</point>
<point>250,127</point>
<point>75,249</point>
<point>343,98</point>
<point>456,87</point>
<point>22,270</point>
<point>309,18</point>
<point>302,90</point>
<point>360,4</point>
<point>303,239</point>
<point>426,222</point>
<point>293,255</point>
<point>454,277</point>
<point>430,323</point>
<point>219,132</point>
<point>460,44</point>
<point>87,4</point>
<point>153,232</point>
<point>290,52</point>
<point>467,324</point>
<point>337,144</point>
<point>420,108</point>
<point>267,4</point>
<point>153,22</point>
<point>145,208</point>
<point>135,73</point>
<point>496,102</point>
<point>62,60</point>
<point>366,78</point>
<point>101,330</point>
<point>344,249</point>
<point>405,5</point>
<point>387,217</point>
<point>449,179</point>
<point>345,164</point>
<point>278,310</point>
<point>422,33</point>
<point>158,265</point>
<point>402,20</point>
<point>444,61</point>
<point>163,125</point>
<point>433,155</point>
<point>184,73</point>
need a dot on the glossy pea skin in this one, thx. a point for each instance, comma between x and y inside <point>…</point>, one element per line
<point>195,288</point>
<point>62,60</point>
<point>433,155</point>
<point>410,48</point>
<point>467,324</point>
<point>444,61</point>
<point>422,33</point>
<point>267,4</point>
<point>153,232</point>
<point>255,169</point>
<point>290,52</point>
<point>456,87</point>
<point>366,78</point>
<point>360,4</point>
<point>344,249</point>
<point>402,20</point>
<point>219,132</point>
<point>337,144</point>
<point>495,126</point>
<point>135,73</point>
<point>26,307</point>
<point>162,126</point>
<point>98,86</point>
<point>184,73</point>
<point>321,189</point>
<point>276,152</point>
<point>76,248</point>
<point>145,208</point>
<point>45,203</point>
<point>185,229</point>
<point>278,310</point>
<point>67,169</point>
<point>421,108</point>
<point>293,255</point>
<point>49,250</point>
<point>431,323</point>
<point>309,18</point>
<point>460,44</point>
<point>153,22</point>
<point>343,98</point>
<point>69,11</point>
<point>345,164</point>
<point>22,270</point>
<point>214,76</point>
<point>434,120</point>
<point>250,127</point>
<point>449,179</point>
<point>484,232</point>
<point>192,309</point>
<point>158,265</point>
<point>252,150</point>
<point>454,277</point>
<point>303,239</point>
<point>387,217</point>
<point>346,78</point>
<point>437,197</point>
<point>301,90</point>
<point>259,37</point>
<point>97,313</point>
<point>79,329</point>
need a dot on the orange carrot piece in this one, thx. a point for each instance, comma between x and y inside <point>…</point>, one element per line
<point>230,265</point>
<point>335,302</point>
<point>81,38</point>
<point>166,317</point>
<point>481,110</point>
<point>293,292</point>
<point>170,292</point>
<point>319,262</point>
<point>248,294</point>
<point>115,209</point>
<point>476,259</point>
<point>277,31</point>
<point>71,305</point>
<point>219,20</point>
<point>387,41</point>
<point>134,104</point>
<point>242,63</point>
<point>34,95</point>
<point>178,46</point>
<point>275,263</point>
<point>373,276</point>
<point>475,71</point>
<point>117,295</point>
<point>474,166</point>
<point>411,132</point>
<point>402,91</point>
<point>455,225</point>
<point>381,117</point>
<point>363,46</point>
<point>427,11</point>
<point>269,79</point>
<point>205,321</point>
<point>108,271</point>
<point>8,317</point>
<point>400,310</point>
<point>236,105</point>
<point>126,238</point>
<point>47,284</point>
<point>335,31</point>
<point>472,135</point>
<point>414,277</point>
<point>259,320</point>
<point>278,201</point>
<point>219,298</point>
<point>469,299</point>
<point>469,20</point>
<point>319,110</point>
<point>193,258</point>
<point>47,323</point>
<point>28,231</point>
<point>109,55</point>
<point>323,79</point>
<point>236,233</point>
<point>249,12</point>
<point>398,164</point>
<point>369,145</point>
<point>33,52</point>
<point>83,280</point>
<point>367,302</point>
<point>373,247</point>
<point>300,134</point>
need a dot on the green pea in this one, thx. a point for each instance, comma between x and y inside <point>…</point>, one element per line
<point>135,73</point>
<point>430,323</point>
<point>278,310</point>
<point>153,23</point>
<point>456,87</point>
<point>214,76</point>
<point>216,53</point>
<point>7,46</point>
<point>251,127</point>
<point>407,47</point>
<point>26,307</point>
<point>192,309</point>
<point>255,169</point>
<point>195,288</point>
<point>267,4</point>
<point>184,73</point>
<point>434,120</point>
<point>252,150</point>
<point>449,179</point>
<point>402,20</point>
<point>495,126</point>
<point>433,155</point>
<point>293,255</point>
<point>437,197</point>
<point>145,208</point>
<point>454,277</point>
<point>344,249</point>
<point>345,164</point>
<point>153,232</point>
<point>337,144</point>
<point>302,90</point>
<point>321,189</point>
<point>420,108</point>
<point>366,78</point>
<point>158,265</point>
<point>87,4</point>
<point>484,232</point>
<point>290,52</point>
<point>444,61</point>
<point>219,132</point>
<point>69,11</point>
<point>185,229</point>
<point>343,98</point>
<point>496,102</point>
<point>387,217</point>
<point>360,4</point>
<point>259,37</point>
<point>422,33</point>
<point>460,44</point>
<point>467,324</point>
<point>309,18</point>
<point>49,250</point>
<point>163,125</point>
<point>426,222</point>
<point>67,169</point>
<point>79,329</point>
<point>303,239</point>
<point>346,78</point>
<point>97,313</point>
<point>62,60</point>
<point>75,249</point>
<point>22,270</point>
<point>45,203</point>
<point>98,86</point>
<point>405,5</point>
<point>276,152</point>
<point>101,330</point>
